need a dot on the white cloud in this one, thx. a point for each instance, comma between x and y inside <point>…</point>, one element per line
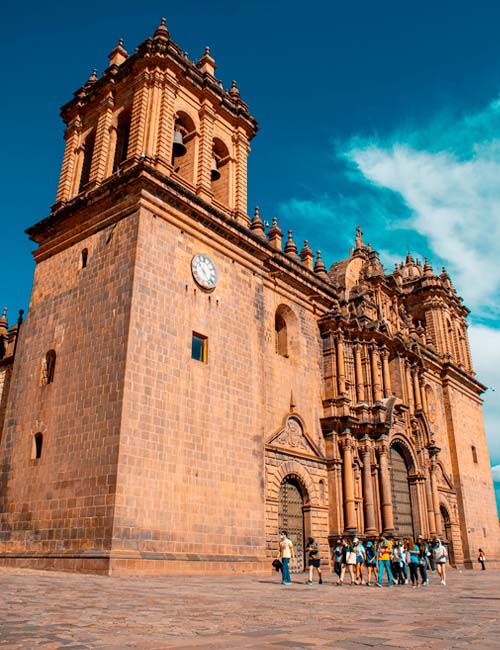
<point>485,349</point>
<point>455,205</point>
<point>496,473</point>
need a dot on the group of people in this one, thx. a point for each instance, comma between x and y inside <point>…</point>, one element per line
<point>404,561</point>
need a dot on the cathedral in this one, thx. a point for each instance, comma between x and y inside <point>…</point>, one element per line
<point>188,381</point>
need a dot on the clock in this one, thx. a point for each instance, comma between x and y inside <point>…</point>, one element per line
<point>204,271</point>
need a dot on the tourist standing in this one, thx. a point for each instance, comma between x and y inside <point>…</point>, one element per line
<point>482,559</point>
<point>371,562</point>
<point>440,555</point>
<point>285,554</point>
<point>337,557</point>
<point>422,559</point>
<point>413,556</point>
<point>349,563</point>
<point>360,558</point>
<point>312,549</point>
<point>384,561</point>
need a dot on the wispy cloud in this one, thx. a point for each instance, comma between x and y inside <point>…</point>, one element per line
<point>434,189</point>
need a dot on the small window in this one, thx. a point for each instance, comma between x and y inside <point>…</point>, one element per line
<point>48,367</point>
<point>85,256</point>
<point>199,348</point>
<point>281,338</point>
<point>474,454</point>
<point>37,446</point>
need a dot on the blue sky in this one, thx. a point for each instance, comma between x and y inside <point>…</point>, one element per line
<point>384,114</point>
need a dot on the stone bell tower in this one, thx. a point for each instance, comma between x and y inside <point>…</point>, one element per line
<point>159,108</point>
<point>106,450</point>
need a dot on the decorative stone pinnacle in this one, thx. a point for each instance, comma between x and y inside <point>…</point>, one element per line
<point>233,91</point>
<point>257,226</point>
<point>291,246</point>
<point>161,30</point>
<point>93,77</point>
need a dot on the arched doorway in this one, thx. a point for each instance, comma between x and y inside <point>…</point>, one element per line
<point>401,498</point>
<point>291,516</point>
<point>446,537</point>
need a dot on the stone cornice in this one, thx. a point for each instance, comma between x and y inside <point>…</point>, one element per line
<point>161,54</point>
<point>120,195</point>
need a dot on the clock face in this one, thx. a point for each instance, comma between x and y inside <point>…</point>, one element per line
<point>204,271</point>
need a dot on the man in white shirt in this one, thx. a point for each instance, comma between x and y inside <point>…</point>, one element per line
<point>285,554</point>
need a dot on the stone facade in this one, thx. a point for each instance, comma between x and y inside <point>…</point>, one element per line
<point>164,417</point>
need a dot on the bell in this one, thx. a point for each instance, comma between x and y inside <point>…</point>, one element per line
<point>178,149</point>
<point>214,172</point>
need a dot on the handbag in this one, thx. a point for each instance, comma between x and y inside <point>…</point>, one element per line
<point>351,558</point>
<point>277,565</point>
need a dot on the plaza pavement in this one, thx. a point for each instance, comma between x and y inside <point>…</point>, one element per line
<point>52,611</point>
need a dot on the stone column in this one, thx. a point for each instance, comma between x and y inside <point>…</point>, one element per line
<point>348,484</point>
<point>241,151</point>
<point>340,366</point>
<point>368,501</point>
<point>66,179</point>
<point>207,120</point>
<point>431,517</point>
<point>385,488</point>
<point>386,374</point>
<point>416,388</point>
<point>360,385</point>
<point>377,392</point>
<point>425,406</point>
<point>164,142</point>
<point>102,142</point>
<point>433,452</point>
<point>139,117</point>
<point>409,388</point>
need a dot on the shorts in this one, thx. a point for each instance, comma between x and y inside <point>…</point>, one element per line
<point>314,562</point>
<point>371,564</point>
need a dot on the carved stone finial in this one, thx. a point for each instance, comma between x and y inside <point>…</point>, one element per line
<point>233,91</point>
<point>320,268</point>
<point>161,30</point>
<point>427,267</point>
<point>307,256</point>
<point>257,226</point>
<point>93,78</point>
<point>291,246</point>
<point>207,63</point>
<point>275,234</point>
<point>118,55</point>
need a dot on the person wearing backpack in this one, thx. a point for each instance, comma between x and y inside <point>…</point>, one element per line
<point>337,557</point>
<point>314,560</point>
<point>371,562</point>
<point>481,558</point>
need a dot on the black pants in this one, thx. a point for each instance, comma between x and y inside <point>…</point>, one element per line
<point>413,573</point>
<point>483,568</point>
<point>337,567</point>
<point>423,571</point>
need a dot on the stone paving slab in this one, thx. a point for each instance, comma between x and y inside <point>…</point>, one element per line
<point>61,611</point>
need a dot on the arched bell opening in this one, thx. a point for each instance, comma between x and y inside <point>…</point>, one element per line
<point>184,147</point>
<point>86,155</point>
<point>401,493</point>
<point>122,137</point>
<point>219,172</point>
<point>292,516</point>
